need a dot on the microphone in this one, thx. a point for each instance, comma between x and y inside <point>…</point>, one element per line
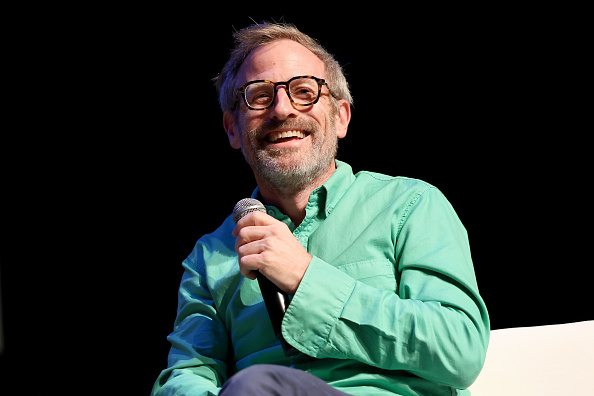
<point>276,300</point>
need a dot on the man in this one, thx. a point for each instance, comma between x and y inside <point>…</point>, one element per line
<point>383,293</point>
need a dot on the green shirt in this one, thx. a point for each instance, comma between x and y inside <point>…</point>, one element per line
<point>389,304</point>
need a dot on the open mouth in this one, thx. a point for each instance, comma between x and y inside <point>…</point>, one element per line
<point>279,137</point>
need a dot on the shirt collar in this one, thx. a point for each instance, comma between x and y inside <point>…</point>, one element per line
<point>337,185</point>
<point>333,189</point>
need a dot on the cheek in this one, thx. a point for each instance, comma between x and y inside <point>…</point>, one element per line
<point>250,123</point>
<point>326,116</point>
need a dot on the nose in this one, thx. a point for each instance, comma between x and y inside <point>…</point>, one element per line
<point>282,107</point>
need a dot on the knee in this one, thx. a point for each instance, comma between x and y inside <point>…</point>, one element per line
<point>251,379</point>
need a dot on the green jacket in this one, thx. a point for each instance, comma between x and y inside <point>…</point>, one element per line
<point>388,305</point>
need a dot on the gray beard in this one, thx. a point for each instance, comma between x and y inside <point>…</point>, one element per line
<point>289,180</point>
<point>296,177</point>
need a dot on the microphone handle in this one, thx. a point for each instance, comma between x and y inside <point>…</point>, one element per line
<point>277,302</point>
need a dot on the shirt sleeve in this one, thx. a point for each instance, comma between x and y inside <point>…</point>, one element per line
<point>196,362</point>
<point>434,325</point>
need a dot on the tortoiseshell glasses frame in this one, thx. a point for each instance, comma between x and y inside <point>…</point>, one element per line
<point>301,90</point>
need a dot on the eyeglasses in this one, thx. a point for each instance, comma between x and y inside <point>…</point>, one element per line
<point>301,90</point>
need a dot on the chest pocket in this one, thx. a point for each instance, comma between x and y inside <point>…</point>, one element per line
<point>378,273</point>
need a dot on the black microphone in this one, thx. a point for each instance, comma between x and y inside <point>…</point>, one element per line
<point>276,300</point>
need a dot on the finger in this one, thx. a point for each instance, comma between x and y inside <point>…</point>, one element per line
<point>250,234</point>
<point>249,265</point>
<point>250,248</point>
<point>253,219</point>
<point>251,275</point>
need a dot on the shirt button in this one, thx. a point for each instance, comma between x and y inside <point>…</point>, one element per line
<point>271,212</point>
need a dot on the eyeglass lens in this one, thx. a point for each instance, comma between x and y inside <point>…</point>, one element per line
<point>302,91</point>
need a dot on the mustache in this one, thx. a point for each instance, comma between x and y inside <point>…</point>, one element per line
<point>271,125</point>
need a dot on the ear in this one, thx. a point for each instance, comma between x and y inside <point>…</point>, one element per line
<point>231,129</point>
<point>343,117</point>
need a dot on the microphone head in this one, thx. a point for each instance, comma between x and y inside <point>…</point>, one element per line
<point>246,206</point>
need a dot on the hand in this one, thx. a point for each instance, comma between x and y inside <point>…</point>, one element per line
<point>267,245</point>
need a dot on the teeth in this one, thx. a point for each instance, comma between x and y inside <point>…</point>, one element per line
<point>278,135</point>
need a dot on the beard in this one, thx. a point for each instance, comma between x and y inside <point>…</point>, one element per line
<point>279,167</point>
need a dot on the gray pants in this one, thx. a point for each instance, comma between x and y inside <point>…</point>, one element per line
<point>271,380</point>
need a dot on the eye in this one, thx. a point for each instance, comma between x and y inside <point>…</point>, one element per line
<point>304,92</point>
<point>258,94</point>
<point>260,97</point>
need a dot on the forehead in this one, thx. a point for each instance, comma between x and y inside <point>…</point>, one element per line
<point>279,61</point>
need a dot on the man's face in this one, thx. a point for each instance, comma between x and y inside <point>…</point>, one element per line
<point>308,152</point>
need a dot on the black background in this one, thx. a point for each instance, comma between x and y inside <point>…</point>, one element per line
<point>115,162</point>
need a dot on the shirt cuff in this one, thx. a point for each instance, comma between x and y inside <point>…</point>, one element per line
<point>316,307</point>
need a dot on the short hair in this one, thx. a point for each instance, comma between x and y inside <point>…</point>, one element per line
<point>255,36</point>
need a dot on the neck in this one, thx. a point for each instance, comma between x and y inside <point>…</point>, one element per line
<point>292,203</point>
